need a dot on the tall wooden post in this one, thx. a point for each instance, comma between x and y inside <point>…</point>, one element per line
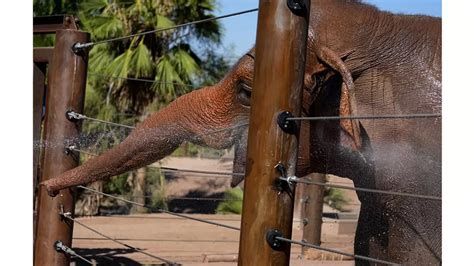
<point>67,82</point>
<point>312,210</point>
<point>278,80</point>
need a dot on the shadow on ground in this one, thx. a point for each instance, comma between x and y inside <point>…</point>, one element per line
<point>107,256</point>
<point>207,203</point>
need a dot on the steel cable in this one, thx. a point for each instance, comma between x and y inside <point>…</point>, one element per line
<point>161,240</point>
<point>160,210</point>
<point>374,117</point>
<point>90,44</point>
<point>68,216</point>
<point>291,179</point>
<point>76,116</point>
<point>300,180</point>
<point>335,251</point>
<point>169,169</point>
<point>141,80</point>
<point>188,198</point>
<point>59,246</point>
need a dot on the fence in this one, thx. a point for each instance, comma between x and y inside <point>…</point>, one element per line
<point>271,179</point>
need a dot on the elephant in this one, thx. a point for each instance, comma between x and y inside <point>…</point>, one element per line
<point>359,61</point>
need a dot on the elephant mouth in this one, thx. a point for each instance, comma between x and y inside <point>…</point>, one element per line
<point>240,157</point>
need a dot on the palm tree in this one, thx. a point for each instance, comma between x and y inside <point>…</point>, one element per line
<point>169,58</point>
<point>166,57</point>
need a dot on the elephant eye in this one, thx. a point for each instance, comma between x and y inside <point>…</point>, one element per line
<point>244,94</point>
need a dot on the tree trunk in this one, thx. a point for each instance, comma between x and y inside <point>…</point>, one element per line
<point>139,189</point>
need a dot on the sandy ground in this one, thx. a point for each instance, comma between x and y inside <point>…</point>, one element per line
<point>185,241</point>
<point>193,243</point>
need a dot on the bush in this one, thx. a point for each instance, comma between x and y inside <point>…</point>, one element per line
<point>334,198</point>
<point>156,186</point>
<point>233,202</point>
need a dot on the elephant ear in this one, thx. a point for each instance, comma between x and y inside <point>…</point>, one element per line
<point>351,127</point>
<point>347,106</point>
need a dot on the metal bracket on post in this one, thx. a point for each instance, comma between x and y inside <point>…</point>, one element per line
<point>297,7</point>
<point>279,183</point>
<point>272,240</point>
<point>284,182</point>
<point>79,48</point>
<point>73,116</point>
<point>288,126</point>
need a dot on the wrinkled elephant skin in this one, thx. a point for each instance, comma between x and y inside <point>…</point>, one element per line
<point>360,61</point>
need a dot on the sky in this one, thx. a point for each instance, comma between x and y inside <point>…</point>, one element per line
<point>240,31</point>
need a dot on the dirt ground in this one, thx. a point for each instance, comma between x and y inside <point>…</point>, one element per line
<point>192,243</point>
<point>186,241</point>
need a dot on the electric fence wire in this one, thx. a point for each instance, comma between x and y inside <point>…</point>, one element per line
<point>160,240</point>
<point>169,169</point>
<point>161,210</point>
<point>295,179</point>
<point>365,117</point>
<point>218,224</point>
<point>68,216</point>
<point>141,80</point>
<point>291,179</point>
<point>90,44</point>
<point>334,251</point>
<point>59,246</point>
<point>77,116</point>
<point>184,198</point>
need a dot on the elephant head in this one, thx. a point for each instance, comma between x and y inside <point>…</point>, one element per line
<point>214,116</point>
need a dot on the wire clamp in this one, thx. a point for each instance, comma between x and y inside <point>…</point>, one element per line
<point>284,176</point>
<point>73,116</point>
<point>292,179</point>
<point>69,149</point>
<point>288,126</point>
<point>79,48</point>
<point>59,246</point>
<point>272,240</point>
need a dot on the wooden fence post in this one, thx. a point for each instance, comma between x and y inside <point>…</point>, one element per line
<point>278,80</point>
<point>66,89</point>
<point>312,210</point>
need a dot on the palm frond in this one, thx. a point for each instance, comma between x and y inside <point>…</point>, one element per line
<point>163,22</point>
<point>104,27</point>
<point>141,61</point>
<point>120,66</point>
<point>93,6</point>
<point>184,64</point>
<point>167,75</point>
<point>100,58</point>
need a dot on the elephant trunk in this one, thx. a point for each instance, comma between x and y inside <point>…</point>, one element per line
<point>187,118</point>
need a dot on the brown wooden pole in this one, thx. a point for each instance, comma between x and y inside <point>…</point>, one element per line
<point>38,94</point>
<point>278,80</point>
<point>312,210</point>
<point>66,89</point>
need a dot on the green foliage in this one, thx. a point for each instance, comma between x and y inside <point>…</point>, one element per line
<point>166,57</point>
<point>334,198</point>
<point>233,203</point>
<point>117,185</point>
<point>156,186</point>
<point>54,7</point>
